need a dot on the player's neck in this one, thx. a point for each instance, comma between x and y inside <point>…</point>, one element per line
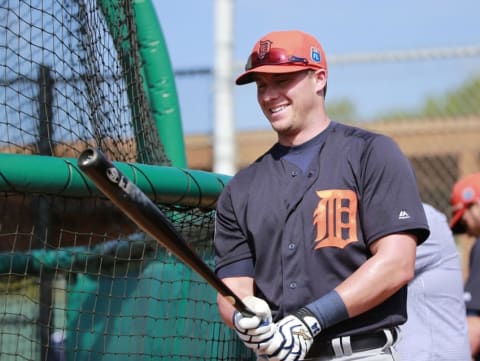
<point>304,135</point>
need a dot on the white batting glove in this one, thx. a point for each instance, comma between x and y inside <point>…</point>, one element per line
<point>256,330</point>
<point>293,337</point>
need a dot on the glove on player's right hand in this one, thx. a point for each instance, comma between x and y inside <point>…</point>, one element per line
<point>256,330</point>
<point>293,337</point>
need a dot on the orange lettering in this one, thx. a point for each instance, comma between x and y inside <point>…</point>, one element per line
<point>336,218</point>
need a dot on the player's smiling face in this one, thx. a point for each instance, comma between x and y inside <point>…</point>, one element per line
<point>289,101</point>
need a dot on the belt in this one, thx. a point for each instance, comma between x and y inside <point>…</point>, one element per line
<point>358,343</point>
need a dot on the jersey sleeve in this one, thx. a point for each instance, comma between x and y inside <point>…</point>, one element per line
<point>233,253</point>
<point>390,199</point>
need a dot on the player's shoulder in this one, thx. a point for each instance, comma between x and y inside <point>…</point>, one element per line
<point>441,239</point>
<point>244,176</point>
<point>354,132</point>
<point>433,214</point>
<point>357,137</point>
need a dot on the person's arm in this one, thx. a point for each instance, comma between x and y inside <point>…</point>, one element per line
<point>255,331</point>
<point>474,333</point>
<point>242,287</point>
<point>391,267</point>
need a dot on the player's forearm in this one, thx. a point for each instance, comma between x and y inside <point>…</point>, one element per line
<point>225,309</point>
<point>390,268</point>
<point>243,287</point>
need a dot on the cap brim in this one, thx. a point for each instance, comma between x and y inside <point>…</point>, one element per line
<point>455,223</point>
<point>247,77</point>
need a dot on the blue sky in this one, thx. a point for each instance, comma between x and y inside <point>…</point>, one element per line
<point>343,27</point>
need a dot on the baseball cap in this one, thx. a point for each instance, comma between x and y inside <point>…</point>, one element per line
<point>283,52</point>
<point>464,193</point>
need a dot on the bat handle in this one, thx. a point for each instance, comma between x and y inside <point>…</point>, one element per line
<point>238,304</point>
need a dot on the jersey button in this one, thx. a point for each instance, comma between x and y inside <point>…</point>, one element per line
<point>294,173</point>
<point>291,246</point>
<point>293,285</point>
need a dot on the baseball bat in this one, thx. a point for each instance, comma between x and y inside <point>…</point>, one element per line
<point>145,214</point>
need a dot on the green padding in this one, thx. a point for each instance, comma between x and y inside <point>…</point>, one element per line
<point>109,258</point>
<point>61,176</point>
<point>165,312</point>
<point>160,81</point>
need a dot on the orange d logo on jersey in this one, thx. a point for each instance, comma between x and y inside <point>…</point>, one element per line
<point>336,218</point>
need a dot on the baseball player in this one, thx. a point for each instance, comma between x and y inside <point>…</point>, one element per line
<point>465,201</point>
<point>318,236</point>
<point>436,328</point>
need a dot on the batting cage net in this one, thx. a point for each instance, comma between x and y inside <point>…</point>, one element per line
<point>78,280</point>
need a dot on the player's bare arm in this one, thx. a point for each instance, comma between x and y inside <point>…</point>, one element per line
<point>255,331</point>
<point>391,267</point>
<point>243,287</point>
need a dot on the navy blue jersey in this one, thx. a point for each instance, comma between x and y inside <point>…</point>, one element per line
<point>472,288</point>
<point>300,234</point>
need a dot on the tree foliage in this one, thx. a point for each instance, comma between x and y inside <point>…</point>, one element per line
<point>342,110</point>
<point>460,102</point>
<point>464,101</point>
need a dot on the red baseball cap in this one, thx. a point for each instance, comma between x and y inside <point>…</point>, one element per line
<point>283,52</point>
<point>465,192</point>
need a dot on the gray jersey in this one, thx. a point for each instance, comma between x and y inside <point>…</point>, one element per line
<point>436,328</point>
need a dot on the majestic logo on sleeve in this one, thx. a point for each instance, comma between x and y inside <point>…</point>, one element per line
<point>336,218</point>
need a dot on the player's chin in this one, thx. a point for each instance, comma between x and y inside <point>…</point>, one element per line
<point>279,124</point>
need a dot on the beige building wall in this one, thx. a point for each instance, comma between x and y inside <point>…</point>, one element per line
<point>456,137</point>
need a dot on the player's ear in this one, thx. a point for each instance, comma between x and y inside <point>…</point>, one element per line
<point>321,80</point>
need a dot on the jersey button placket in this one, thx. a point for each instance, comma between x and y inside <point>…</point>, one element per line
<point>292,285</point>
<point>291,250</point>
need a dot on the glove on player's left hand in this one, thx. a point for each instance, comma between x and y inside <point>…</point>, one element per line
<point>256,330</point>
<point>293,337</point>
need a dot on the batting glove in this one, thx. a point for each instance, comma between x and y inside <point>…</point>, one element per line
<point>256,330</point>
<point>293,337</point>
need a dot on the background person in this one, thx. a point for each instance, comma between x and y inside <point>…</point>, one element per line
<point>436,328</point>
<point>465,201</point>
<point>319,235</point>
